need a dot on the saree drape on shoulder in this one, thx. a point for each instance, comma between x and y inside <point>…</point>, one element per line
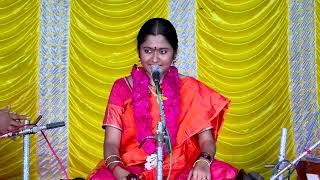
<point>201,108</point>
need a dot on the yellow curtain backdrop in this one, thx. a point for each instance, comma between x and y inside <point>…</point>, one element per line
<point>317,19</point>
<point>242,52</point>
<point>19,43</point>
<point>102,49</point>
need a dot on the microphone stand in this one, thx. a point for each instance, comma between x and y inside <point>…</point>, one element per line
<point>26,131</point>
<point>26,153</point>
<point>294,161</point>
<point>161,134</point>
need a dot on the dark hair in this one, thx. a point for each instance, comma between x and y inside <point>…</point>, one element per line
<point>156,26</point>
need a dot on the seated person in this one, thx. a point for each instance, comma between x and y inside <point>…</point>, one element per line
<point>193,113</point>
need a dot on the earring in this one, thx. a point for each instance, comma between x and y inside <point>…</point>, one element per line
<point>174,62</point>
<point>139,65</point>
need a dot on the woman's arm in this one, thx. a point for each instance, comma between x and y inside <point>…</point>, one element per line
<point>207,143</point>
<point>111,152</point>
<point>201,168</point>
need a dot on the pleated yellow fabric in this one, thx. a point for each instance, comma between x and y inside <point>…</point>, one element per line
<point>19,43</point>
<point>317,19</point>
<point>102,48</point>
<point>242,51</point>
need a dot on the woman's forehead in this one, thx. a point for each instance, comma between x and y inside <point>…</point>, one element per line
<point>156,41</point>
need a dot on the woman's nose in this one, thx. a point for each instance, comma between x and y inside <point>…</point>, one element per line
<point>155,57</point>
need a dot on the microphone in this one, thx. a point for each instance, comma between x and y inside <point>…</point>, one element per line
<point>34,129</point>
<point>156,72</point>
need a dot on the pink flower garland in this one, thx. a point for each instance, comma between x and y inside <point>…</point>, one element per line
<point>141,105</point>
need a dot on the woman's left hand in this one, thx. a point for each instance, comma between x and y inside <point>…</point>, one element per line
<point>201,171</point>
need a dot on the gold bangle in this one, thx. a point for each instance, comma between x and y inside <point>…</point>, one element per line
<point>111,158</point>
<point>112,155</point>
<point>201,160</point>
<point>112,162</point>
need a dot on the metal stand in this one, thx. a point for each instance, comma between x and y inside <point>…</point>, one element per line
<point>161,134</point>
<point>294,161</point>
<point>282,152</point>
<point>25,132</point>
<point>160,137</point>
<point>26,154</point>
<point>160,141</point>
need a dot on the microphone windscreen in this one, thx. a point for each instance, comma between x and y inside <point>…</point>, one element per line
<point>156,72</point>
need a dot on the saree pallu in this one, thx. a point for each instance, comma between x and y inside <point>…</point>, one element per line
<point>202,108</point>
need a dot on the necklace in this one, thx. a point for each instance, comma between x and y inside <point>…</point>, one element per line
<point>152,90</point>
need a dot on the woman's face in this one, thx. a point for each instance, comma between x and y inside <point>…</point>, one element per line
<point>156,51</point>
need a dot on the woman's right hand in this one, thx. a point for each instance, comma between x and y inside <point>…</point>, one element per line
<point>120,173</point>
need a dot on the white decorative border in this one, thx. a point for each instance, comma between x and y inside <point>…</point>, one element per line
<point>53,85</point>
<point>302,60</point>
<point>182,15</point>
